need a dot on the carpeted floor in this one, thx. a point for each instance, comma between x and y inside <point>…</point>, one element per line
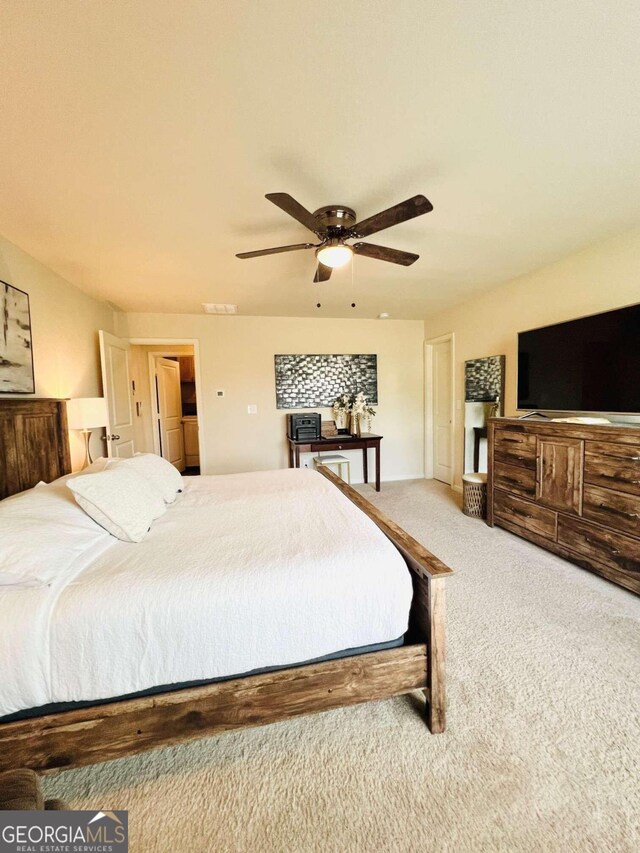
<point>542,751</point>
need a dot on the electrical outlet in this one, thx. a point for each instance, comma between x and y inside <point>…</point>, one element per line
<point>252,409</point>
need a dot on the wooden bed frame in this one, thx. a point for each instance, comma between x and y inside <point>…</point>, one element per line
<point>33,447</point>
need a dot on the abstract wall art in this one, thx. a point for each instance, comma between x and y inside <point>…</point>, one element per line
<point>16,354</point>
<point>312,381</point>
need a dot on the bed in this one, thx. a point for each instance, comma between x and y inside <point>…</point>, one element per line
<point>257,597</point>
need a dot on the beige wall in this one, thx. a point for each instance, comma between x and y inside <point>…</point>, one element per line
<point>600,278</point>
<point>236,355</point>
<point>64,323</point>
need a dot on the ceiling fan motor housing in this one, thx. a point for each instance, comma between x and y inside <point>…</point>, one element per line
<point>335,216</point>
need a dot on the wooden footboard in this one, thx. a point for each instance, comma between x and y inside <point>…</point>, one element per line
<point>428,608</point>
<point>102,732</point>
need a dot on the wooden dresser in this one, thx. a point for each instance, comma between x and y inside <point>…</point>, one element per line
<point>573,489</point>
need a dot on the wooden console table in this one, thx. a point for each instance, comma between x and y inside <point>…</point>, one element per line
<point>339,442</point>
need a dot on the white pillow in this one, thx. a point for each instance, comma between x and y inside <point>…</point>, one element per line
<point>20,498</point>
<point>43,531</point>
<point>48,503</point>
<point>120,500</point>
<point>94,467</point>
<point>162,475</point>
<point>34,552</point>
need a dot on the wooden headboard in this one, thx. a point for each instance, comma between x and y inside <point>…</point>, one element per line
<point>34,443</point>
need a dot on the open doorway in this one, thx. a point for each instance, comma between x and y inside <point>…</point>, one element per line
<point>439,408</point>
<point>166,403</point>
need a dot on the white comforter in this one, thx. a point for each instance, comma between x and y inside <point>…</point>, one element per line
<point>243,571</point>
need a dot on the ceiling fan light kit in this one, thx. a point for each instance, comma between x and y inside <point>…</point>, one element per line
<point>334,224</point>
<point>334,254</point>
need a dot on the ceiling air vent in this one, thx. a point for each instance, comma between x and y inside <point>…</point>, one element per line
<point>219,308</point>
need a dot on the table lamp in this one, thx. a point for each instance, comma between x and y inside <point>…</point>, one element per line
<point>86,414</point>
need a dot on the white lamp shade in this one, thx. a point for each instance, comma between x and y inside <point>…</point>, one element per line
<point>87,412</point>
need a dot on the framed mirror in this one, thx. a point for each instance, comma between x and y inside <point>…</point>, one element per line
<point>483,399</point>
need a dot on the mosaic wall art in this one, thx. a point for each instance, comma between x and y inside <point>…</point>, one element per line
<point>484,379</point>
<point>314,381</point>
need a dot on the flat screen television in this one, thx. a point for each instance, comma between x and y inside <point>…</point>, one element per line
<point>586,365</point>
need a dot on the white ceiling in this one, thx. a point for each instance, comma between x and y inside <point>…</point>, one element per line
<point>138,140</point>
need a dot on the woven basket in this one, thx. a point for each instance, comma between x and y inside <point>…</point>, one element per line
<point>474,497</point>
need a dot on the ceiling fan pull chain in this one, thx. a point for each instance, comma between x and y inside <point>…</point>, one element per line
<point>353,287</point>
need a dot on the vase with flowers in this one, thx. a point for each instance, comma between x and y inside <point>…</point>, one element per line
<point>361,414</point>
<point>341,411</point>
<point>355,411</point>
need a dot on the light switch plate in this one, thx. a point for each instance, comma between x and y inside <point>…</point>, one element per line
<point>252,409</point>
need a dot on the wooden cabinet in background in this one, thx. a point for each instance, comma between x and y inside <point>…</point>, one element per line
<point>187,368</point>
<point>191,441</point>
<point>573,489</point>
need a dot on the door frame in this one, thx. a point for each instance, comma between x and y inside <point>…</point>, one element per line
<point>428,404</point>
<point>173,342</point>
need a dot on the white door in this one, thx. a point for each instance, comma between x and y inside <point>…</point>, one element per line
<point>116,386</point>
<point>442,407</point>
<point>169,411</point>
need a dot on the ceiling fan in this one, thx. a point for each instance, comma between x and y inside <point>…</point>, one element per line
<point>336,223</point>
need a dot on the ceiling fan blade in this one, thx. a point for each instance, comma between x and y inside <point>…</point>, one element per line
<point>383,253</point>
<point>275,251</point>
<point>287,203</point>
<point>323,273</point>
<point>408,209</point>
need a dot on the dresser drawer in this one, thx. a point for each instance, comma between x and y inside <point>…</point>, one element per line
<point>613,509</point>
<point>618,451</point>
<point>607,547</point>
<point>513,478</point>
<point>515,448</point>
<point>614,466</point>
<point>524,514</point>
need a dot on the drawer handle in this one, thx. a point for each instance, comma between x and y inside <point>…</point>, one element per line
<point>619,511</point>
<point>521,513</point>
<point>615,477</point>
<point>600,545</point>
<point>514,440</point>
